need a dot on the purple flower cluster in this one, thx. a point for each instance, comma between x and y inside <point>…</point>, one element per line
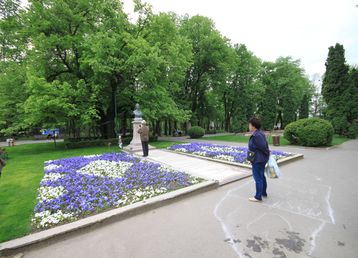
<point>86,193</point>
<point>239,154</point>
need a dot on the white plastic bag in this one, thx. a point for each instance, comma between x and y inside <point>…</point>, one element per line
<point>272,170</point>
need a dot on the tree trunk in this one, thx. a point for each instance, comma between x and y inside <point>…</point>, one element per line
<point>158,128</point>
<point>166,127</point>
<point>170,127</point>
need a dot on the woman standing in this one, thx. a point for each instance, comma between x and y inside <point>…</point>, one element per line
<point>261,153</point>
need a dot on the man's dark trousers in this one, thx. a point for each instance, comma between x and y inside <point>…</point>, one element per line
<point>145,149</point>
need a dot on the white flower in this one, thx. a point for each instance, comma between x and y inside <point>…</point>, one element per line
<point>181,150</point>
<point>90,156</point>
<point>140,194</point>
<point>221,149</point>
<point>200,153</point>
<point>52,177</point>
<point>49,192</point>
<point>106,168</point>
<point>51,167</point>
<point>46,218</point>
<point>225,157</point>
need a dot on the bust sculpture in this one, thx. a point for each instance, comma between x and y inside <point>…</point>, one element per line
<point>137,112</point>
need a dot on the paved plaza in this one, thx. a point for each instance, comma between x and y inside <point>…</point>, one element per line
<point>311,211</point>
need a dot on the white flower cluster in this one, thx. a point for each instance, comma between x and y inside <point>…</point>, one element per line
<point>220,149</point>
<point>106,168</point>
<point>164,168</point>
<point>181,150</point>
<point>225,157</point>
<point>46,218</point>
<point>195,180</point>
<point>49,192</point>
<point>141,194</point>
<point>91,156</point>
<point>200,153</point>
<point>51,167</point>
<point>52,177</point>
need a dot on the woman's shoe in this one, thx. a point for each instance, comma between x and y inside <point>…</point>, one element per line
<point>253,199</point>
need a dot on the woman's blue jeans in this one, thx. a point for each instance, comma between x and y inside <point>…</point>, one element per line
<point>258,171</point>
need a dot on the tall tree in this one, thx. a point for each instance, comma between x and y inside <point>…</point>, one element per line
<point>285,87</point>
<point>336,90</point>
<point>210,56</point>
<point>13,44</point>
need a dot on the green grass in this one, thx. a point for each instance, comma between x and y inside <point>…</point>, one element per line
<point>163,144</point>
<point>337,139</point>
<point>241,138</point>
<point>20,180</point>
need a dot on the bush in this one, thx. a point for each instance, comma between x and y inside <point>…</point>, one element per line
<point>353,130</point>
<point>309,132</point>
<point>196,132</point>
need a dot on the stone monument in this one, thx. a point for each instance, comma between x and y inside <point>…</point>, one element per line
<point>136,144</point>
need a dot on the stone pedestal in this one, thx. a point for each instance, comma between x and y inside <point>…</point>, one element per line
<point>136,144</point>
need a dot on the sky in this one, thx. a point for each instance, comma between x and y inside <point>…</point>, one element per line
<point>302,29</point>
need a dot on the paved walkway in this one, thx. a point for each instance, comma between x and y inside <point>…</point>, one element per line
<point>4,144</point>
<point>311,211</point>
<point>209,170</point>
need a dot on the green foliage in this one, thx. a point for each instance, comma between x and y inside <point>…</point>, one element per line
<point>304,108</point>
<point>309,132</point>
<point>340,91</point>
<point>285,88</point>
<point>196,132</point>
<point>82,65</point>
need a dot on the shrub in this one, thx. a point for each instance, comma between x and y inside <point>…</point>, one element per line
<point>353,130</point>
<point>196,132</point>
<point>309,132</point>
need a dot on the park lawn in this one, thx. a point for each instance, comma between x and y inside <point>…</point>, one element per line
<point>163,144</point>
<point>20,181</point>
<point>241,138</point>
<point>337,139</point>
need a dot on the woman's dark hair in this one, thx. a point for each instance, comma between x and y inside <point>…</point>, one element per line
<point>254,121</point>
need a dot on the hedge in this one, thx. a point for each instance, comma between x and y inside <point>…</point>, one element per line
<point>309,132</point>
<point>196,132</point>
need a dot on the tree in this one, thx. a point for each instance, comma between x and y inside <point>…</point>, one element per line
<point>241,89</point>
<point>13,44</point>
<point>210,57</point>
<point>304,108</point>
<point>286,86</point>
<point>338,91</point>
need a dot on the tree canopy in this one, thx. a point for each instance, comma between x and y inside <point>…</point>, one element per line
<point>82,66</point>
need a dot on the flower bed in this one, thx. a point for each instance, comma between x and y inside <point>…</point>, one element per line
<point>234,154</point>
<point>76,187</point>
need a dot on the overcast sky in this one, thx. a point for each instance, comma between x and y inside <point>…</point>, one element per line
<point>303,29</point>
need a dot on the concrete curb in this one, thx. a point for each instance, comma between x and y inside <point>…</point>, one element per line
<point>17,245</point>
<point>279,162</point>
